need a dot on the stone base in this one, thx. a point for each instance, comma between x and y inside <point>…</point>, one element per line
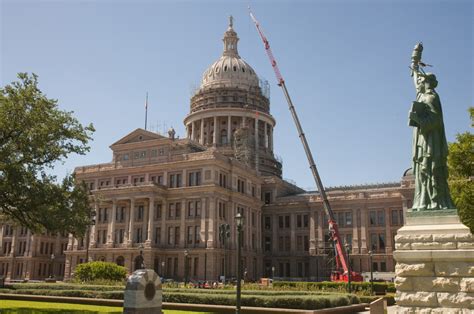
<point>435,266</point>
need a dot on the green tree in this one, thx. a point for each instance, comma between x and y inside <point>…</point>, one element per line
<point>461,175</point>
<point>34,135</point>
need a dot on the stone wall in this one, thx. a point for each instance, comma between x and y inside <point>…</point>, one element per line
<point>435,268</point>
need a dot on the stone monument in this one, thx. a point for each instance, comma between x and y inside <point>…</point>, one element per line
<point>434,250</point>
<point>143,294</point>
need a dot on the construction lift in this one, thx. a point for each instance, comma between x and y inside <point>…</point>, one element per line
<point>341,272</point>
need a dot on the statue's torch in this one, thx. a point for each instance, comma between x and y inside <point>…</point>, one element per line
<point>416,57</point>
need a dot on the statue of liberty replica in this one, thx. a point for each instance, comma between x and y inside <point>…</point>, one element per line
<point>434,251</point>
<point>430,149</point>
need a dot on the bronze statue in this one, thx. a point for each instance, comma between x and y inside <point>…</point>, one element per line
<point>430,149</point>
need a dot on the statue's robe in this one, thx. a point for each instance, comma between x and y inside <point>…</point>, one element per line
<point>430,151</point>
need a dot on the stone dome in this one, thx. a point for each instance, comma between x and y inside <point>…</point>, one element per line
<point>230,69</point>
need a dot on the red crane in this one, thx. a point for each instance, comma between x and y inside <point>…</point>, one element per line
<point>341,273</point>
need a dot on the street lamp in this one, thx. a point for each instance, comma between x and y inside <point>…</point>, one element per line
<point>224,235</point>
<point>273,272</point>
<point>348,250</point>
<point>52,266</point>
<point>371,273</point>
<point>239,219</point>
<point>163,269</point>
<point>186,253</point>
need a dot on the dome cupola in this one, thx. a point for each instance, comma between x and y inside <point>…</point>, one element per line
<point>230,70</point>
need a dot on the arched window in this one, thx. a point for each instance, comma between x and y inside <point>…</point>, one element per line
<point>120,261</point>
<point>224,139</point>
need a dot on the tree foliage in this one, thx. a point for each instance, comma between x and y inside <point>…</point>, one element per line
<point>94,271</point>
<point>461,175</point>
<point>34,135</point>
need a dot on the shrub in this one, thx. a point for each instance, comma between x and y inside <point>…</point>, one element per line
<point>94,271</point>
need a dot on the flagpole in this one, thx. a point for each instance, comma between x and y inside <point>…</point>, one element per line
<point>146,109</point>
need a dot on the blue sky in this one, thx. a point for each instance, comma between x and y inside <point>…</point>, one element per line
<point>345,64</point>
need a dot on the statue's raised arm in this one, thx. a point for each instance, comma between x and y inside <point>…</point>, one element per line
<point>415,66</point>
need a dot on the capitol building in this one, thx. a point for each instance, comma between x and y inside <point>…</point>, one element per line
<point>163,200</point>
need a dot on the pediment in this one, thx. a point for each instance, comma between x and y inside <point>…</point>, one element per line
<point>139,135</point>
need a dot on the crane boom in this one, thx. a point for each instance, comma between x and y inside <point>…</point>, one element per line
<point>340,257</point>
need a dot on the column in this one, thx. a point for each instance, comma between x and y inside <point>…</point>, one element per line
<point>164,212</point>
<point>28,243</point>
<point>92,240</point>
<point>275,238</point>
<point>182,225</point>
<point>312,232</point>
<point>130,222</point>
<point>256,144</point>
<point>266,134</point>
<point>293,233</point>
<point>320,229</point>
<point>270,138</point>
<point>388,233</point>
<point>216,129</point>
<point>355,237</point>
<point>202,234</point>
<point>363,231</point>
<point>1,237</point>
<point>111,226</point>
<point>151,207</point>
<point>193,131</point>
<point>144,222</point>
<point>229,129</point>
<point>201,139</point>
<point>212,214</point>
<point>70,242</point>
<point>12,253</point>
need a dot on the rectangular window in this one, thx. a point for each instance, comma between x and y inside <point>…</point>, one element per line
<point>305,221</point>
<point>348,219</point>
<point>372,217</point>
<point>196,266</point>
<point>190,235</point>
<point>299,222</point>
<point>268,223</point>
<point>280,222</point>
<point>373,242</point>
<point>381,218</point>
<point>383,266</point>
<point>197,234</point>
<point>268,197</point>
<point>194,178</point>
<point>138,235</point>
<point>287,221</point>
<point>157,235</point>
<point>171,208</point>
<point>191,209</point>
<point>170,235</point>
<point>140,213</point>
<point>306,243</point>
<point>287,243</point>
<point>299,243</point>
<point>177,236</point>
<point>268,244</point>
<point>178,210</point>
<point>158,211</point>
<point>382,241</point>
<point>281,244</point>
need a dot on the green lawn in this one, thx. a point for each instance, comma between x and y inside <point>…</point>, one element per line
<point>31,307</point>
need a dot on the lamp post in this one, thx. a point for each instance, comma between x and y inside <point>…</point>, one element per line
<point>273,272</point>
<point>163,269</point>
<point>348,250</point>
<point>371,273</point>
<point>224,235</point>
<point>186,253</point>
<point>52,266</point>
<point>239,219</point>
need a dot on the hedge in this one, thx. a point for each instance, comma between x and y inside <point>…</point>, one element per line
<point>100,271</point>
<point>333,286</point>
<point>62,286</point>
<point>281,301</point>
